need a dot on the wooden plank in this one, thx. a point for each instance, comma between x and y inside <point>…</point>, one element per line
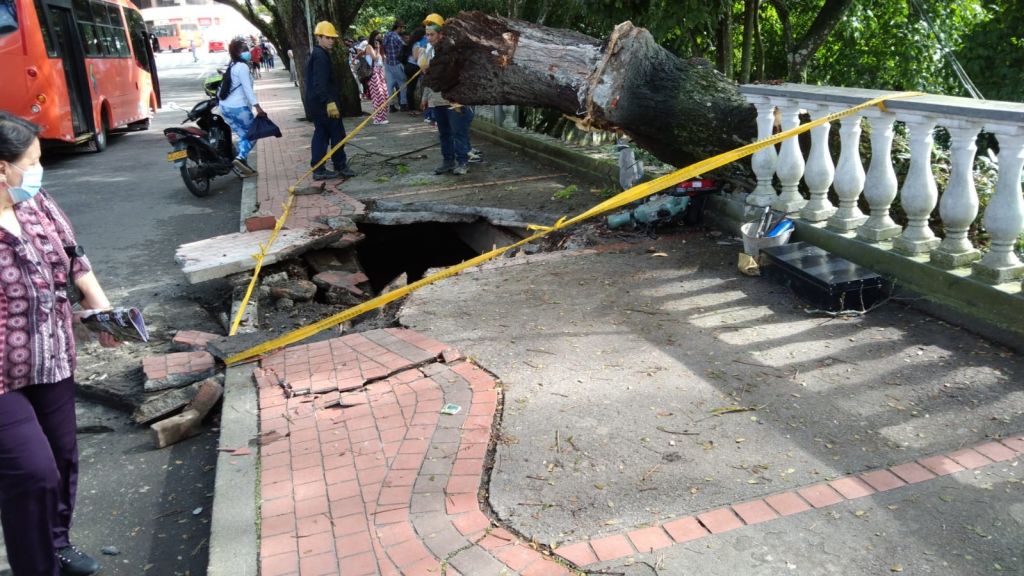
<point>232,253</point>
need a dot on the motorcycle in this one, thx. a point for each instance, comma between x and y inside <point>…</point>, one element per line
<point>202,153</point>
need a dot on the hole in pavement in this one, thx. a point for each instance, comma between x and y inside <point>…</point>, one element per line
<point>390,250</point>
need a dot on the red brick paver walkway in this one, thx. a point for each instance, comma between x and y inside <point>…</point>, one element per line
<point>281,161</point>
<point>376,480</point>
<point>362,474</point>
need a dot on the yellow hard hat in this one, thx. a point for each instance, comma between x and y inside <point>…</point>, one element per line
<point>325,28</point>
<point>434,18</point>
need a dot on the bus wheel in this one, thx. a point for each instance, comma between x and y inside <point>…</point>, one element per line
<point>195,181</point>
<point>99,141</point>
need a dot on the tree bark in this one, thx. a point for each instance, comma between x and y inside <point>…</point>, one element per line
<point>723,44</point>
<point>800,53</point>
<point>679,110</point>
<point>749,22</point>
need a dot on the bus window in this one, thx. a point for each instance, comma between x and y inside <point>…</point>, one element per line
<point>8,17</point>
<point>51,51</point>
<point>139,37</point>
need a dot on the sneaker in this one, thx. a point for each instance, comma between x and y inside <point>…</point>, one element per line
<point>380,122</point>
<point>460,170</point>
<point>74,562</point>
<point>243,167</point>
<point>319,175</point>
<point>345,171</point>
<point>444,168</point>
<point>475,156</point>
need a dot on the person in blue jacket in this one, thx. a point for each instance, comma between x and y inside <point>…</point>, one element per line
<point>323,105</point>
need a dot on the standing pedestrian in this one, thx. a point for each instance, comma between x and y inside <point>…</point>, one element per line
<point>324,105</point>
<point>378,87</point>
<point>453,120</point>
<point>38,448</point>
<point>236,106</point>
<point>394,70</point>
<point>256,58</point>
<point>291,68</point>
<point>192,49</point>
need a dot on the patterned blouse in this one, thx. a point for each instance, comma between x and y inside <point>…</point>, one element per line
<point>36,344</point>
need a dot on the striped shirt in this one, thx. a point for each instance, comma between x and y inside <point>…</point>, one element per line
<point>36,344</point>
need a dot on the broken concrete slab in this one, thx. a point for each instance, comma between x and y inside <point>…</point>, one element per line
<point>177,369</point>
<point>331,260</point>
<point>162,404</point>
<point>232,253</point>
<point>403,218</point>
<point>496,216</point>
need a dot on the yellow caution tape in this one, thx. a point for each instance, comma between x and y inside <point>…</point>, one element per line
<point>626,197</point>
<point>265,248</point>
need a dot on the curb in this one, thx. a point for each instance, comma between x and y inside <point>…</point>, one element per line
<point>234,532</point>
<point>234,537</point>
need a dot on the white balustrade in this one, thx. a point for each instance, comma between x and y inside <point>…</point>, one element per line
<point>919,194</point>
<point>763,161</point>
<point>849,177</point>
<point>791,161</point>
<point>820,171</point>
<point>958,206</point>
<point>1004,215</point>
<point>880,185</point>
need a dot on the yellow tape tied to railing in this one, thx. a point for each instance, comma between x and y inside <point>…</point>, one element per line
<point>626,197</point>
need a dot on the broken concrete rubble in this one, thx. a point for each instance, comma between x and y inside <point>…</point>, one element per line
<point>296,290</point>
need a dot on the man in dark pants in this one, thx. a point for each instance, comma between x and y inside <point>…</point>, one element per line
<point>323,105</point>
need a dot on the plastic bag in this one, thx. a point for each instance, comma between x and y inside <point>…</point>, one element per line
<point>262,127</point>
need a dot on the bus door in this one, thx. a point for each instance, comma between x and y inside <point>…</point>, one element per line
<point>69,51</point>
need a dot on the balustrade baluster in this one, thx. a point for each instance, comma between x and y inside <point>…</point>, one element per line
<point>791,161</point>
<point>849,177</point>
<point>820,171</point>
<point>1004,215</point>
<point>880,185</point>
<point>919,194</point>
<point>763,161</point>
<point>958,205</point>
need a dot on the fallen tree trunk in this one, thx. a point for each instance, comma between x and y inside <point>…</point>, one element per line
<point>679,110</point>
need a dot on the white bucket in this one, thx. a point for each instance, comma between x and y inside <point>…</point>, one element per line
<point>753,245</point>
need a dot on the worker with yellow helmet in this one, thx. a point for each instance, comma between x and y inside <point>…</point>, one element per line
<point>323,105</point>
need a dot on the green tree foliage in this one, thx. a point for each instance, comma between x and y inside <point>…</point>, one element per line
<point>993,51</point>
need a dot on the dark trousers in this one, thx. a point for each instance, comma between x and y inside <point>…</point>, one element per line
<point>38,474</point>
<point>327,132</point>
<point>453,132</point>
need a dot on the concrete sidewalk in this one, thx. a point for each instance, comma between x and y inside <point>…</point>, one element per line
<point>588,384</point>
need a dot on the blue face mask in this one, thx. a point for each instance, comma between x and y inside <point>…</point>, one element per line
<point>246,56</point>
<point>31,183</point>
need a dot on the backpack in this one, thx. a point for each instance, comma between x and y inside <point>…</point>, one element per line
<point>225,89</point>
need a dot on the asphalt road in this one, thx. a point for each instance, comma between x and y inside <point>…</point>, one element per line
<point>131,210</point>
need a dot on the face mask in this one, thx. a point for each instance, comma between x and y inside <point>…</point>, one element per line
<point>246,56</point>
<point>31,182</point>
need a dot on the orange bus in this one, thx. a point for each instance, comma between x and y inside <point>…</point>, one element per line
<point>175,35</point>
<point>78,68</point>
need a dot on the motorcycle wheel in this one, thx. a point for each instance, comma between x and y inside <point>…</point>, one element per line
<point>196,184</point>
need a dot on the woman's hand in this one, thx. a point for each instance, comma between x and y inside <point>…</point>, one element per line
<point>107,340</point>
<point>259,111</point>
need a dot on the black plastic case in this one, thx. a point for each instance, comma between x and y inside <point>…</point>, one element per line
<point>824,280</point>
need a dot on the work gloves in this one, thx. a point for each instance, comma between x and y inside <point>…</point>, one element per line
<point>332,110</point>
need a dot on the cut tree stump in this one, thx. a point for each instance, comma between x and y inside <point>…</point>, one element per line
<point>680,110</point>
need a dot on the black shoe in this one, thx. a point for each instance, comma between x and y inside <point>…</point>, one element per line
<point>325,175</point>
<point>74,562</point>
<point>345,171</point>
<point>392,109</point>
<point>445,168</point>
<point>405,107</point>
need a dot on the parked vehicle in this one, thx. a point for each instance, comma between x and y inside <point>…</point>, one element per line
<point>202,152</point>
<point>216,46</point>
